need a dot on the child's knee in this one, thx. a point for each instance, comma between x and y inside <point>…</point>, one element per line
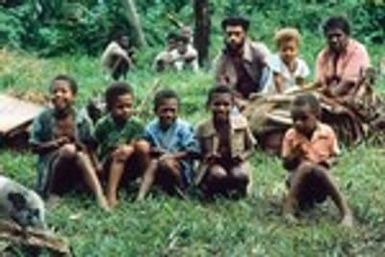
<point>216,172</point>
<point>167,164</point>
<point>68,151</point>
<point>241,176</point>
<point>122,153</point>
<point>306,167</point>
<point>142,147</point>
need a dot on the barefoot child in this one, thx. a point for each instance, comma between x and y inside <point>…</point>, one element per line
<point>172,146</point>
<point>62,139</point>
<point>289,71</point>
<point>309,150</point>
<point>120,148</point>
<point>226,143</point>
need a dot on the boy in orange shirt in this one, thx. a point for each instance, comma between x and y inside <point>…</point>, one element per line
<point>309,149</point>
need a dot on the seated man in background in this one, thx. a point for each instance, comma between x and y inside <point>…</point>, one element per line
<point>164,60</point>
<point>185,56</point>
<point>116,58</point>
<point>242,65</point>
<point>339,66</point>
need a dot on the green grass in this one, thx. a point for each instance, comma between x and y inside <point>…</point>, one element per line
<point>166,226</point>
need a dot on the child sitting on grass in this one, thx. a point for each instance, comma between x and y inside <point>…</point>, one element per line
<point>226,143</point>
<point>172,147</point>
<point>63,138</point>
<point>118,135</point>
<point>289,71</point>
<point>308,151</point>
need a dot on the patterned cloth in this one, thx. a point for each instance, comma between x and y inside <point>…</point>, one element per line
<point>43,129</point>
<point>177,138</point>
<point>109,135</point>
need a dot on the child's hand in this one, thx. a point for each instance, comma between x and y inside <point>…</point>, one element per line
<point>166,156</point>
<point>297,149</point>
<point>99,168</point>
<point>211,158</point>
<point>157,151</point>
<point>238,159</point>
<point>61,141</point>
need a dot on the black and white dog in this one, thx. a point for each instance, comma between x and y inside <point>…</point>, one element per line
<point>21,205</point>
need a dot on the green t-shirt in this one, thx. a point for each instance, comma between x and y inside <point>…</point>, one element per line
<point>109,135</point>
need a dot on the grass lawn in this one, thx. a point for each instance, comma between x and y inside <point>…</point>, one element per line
<point>164,226</point>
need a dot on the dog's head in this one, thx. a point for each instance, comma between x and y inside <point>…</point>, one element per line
<point>28,211</point>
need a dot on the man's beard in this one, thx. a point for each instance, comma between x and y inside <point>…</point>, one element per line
<point>234,47</point>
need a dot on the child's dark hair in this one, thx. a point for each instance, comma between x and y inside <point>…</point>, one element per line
<point>307,100</point>
<point>115,90</point>
<point>218,89</point>
<point>164,94</point>
<point>336,22</point>
<point>71,81</point>
<point>183,39</point>
<point>172,36</point>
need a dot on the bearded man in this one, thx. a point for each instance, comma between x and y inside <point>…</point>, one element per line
<point>242,65</point>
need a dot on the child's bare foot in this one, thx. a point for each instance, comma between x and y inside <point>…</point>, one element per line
<point>112,202</point>
<point>53,201</point>
<point>290,219</point>
<point>347,221</point>
<point>102,202</point>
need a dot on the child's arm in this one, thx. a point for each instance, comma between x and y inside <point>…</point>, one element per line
<point>300,81</point>
<point>46,147</point>
<point>292,160</point>
<point>292,155</point>
<point>250,143</point>
<point>278,83</point>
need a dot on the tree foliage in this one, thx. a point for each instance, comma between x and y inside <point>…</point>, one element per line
<point>53,27</point>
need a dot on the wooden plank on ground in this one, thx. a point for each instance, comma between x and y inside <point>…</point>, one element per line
<point>15,113</point>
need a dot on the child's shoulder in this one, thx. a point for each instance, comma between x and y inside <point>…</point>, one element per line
<point>290,133</point>
<point>46,113</point>
<point>102,121</point>
<point>135,120</point>
<point>183,124</point>
<point>325,129</point>
<point>239,121</point>
<point>205,127</point>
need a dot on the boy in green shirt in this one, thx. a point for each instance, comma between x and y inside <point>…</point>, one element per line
<point>118,136</point>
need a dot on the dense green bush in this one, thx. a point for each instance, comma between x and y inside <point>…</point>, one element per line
<point>55,27</point>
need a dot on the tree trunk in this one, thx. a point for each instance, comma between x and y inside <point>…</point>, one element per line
<point>133,19</point>
<point>202,29</point>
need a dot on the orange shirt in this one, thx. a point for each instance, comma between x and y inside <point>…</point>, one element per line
<point>322,146</point>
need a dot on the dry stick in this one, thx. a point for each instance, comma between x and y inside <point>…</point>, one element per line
<point>148,96</point>
<point>13,233</point>
<point>174,20</point>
